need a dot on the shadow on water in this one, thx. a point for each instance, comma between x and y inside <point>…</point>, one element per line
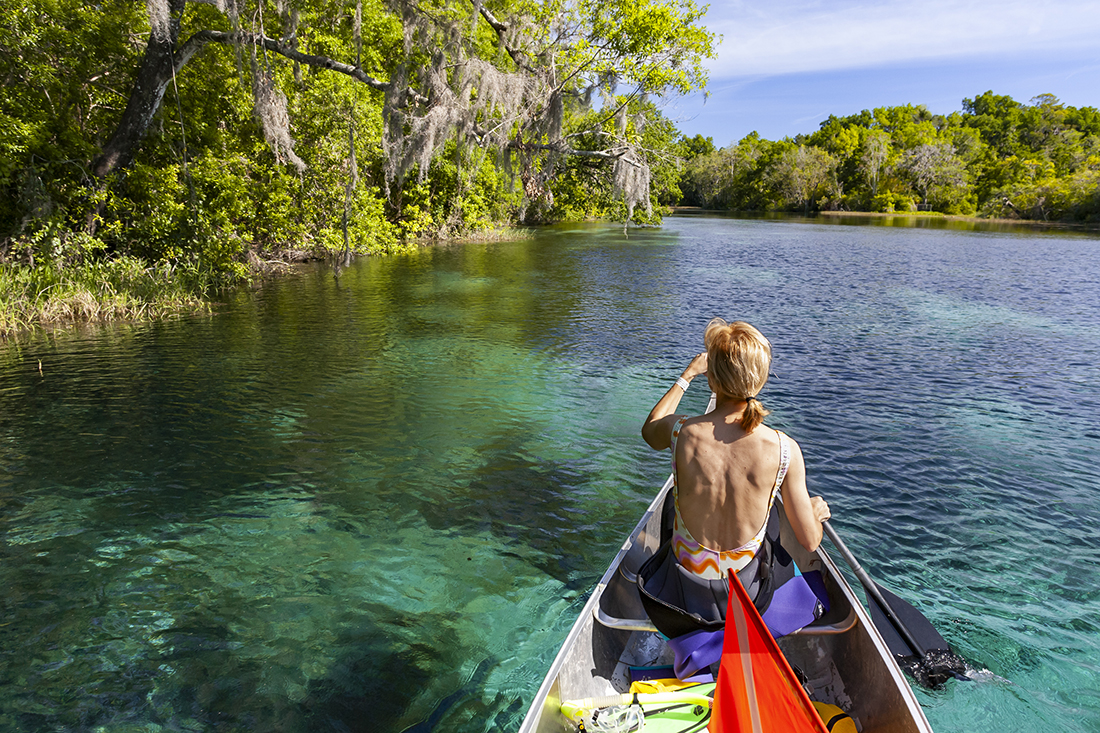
<point>370,685</point>
<point>198,680</point>
<point>526,503</point>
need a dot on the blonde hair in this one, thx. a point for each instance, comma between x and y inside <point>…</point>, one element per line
<point>738,361</point>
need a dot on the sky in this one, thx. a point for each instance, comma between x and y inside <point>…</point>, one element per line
<point>783,66</point>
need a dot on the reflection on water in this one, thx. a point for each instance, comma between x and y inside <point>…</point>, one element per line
<point>379,502</point>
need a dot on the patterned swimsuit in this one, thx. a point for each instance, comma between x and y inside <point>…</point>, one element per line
<point>715,564</point>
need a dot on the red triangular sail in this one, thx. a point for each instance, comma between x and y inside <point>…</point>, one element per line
<point>757,691</point>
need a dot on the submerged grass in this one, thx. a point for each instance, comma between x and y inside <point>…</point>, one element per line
<point>125,288</point>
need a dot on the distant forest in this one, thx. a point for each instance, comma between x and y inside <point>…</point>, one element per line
<point>996,158</point>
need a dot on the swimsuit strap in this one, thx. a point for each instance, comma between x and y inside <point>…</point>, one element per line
<point>784,464</point>
<point>676,434</point>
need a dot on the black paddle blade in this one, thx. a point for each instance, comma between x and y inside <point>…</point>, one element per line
<point>939,663</point>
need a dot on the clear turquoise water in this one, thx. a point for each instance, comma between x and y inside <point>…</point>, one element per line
<point>379,502</point>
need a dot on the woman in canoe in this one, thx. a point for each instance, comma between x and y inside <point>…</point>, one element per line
<point>728,465</point>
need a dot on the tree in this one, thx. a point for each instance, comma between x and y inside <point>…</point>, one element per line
<point>802,174</point>
<point>730,178</point>
<point>841,140</point>
<point>579,189</point>
<point>1037,193</point>
<point>996,117</point>
<point>697,145</point>
<point>873,154</point>
<point>507,76</point>
<point>934,165</point>
<point>58,63</point>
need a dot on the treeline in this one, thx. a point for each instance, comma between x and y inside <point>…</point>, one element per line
<point>183,142</point>
<point>996,158</point>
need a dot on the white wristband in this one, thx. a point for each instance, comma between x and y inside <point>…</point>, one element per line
<point>682,383</point>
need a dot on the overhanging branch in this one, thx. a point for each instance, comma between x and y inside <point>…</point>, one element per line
<point>501,29</point>
<point>612,154</point>
<point>201,38</point>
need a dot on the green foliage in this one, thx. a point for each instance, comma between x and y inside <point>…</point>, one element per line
<point>1033,191</point>
<point>997,157</point>
<point>888,202</point>
<point>656,44</point>
<point>204,201</point>
<point>62,63</point>
<point>209,192</point>
<point>733,178</point>
<point>802,176</point>
<point>693,147</point>
<point>579,188</point>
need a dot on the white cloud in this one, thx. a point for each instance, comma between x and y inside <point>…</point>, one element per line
<point>791,36</point>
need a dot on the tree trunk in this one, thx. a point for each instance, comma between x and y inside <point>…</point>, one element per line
<point>152,81</point>
<point>162,59</point>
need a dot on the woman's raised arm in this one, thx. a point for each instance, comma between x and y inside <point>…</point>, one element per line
<point>657,430</point>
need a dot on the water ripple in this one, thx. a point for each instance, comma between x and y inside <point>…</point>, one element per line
<point>386,497</point>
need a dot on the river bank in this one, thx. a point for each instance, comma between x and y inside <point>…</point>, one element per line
<point>126,289</point>
<point>50,296</point>
<point>911,216</point>
<point>917,215</point>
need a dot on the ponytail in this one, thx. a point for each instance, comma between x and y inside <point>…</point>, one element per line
<point>754,414</point>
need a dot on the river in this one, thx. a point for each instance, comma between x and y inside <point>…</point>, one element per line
<point>378,502</point>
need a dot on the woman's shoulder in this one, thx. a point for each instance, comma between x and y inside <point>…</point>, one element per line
<point>792,444</point>
<point>774,436</point>
<point>694,427</point>
<point>695,423</point>
<point>779,434</point>
<point>767,434</point>
<point>686,427</point>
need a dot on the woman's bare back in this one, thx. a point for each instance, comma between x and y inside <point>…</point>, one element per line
<point>725,474</point>
<point>724,479</point>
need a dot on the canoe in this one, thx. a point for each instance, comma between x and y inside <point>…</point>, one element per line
<point>844,657</point>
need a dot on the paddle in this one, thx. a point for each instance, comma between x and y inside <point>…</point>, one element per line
<point>908,634</point>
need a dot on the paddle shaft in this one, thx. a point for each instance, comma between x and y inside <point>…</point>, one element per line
<point>872,589</point>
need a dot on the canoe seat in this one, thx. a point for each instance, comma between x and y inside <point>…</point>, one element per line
<point>620,606</point>
<point>621,596</point>
<point>823,625</point>
<point>623,624</point>
<point>834,622</point>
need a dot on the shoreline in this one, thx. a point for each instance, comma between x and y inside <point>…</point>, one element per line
<point>934,215</point>
<point>78,297</point>
<point>87,306</point>
<point>915,215</point>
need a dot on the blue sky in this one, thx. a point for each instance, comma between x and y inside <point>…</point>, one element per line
<point>785,65</point>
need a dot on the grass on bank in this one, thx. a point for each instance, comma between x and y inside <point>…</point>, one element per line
<point>63,291</point>
<point>125,288</point>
